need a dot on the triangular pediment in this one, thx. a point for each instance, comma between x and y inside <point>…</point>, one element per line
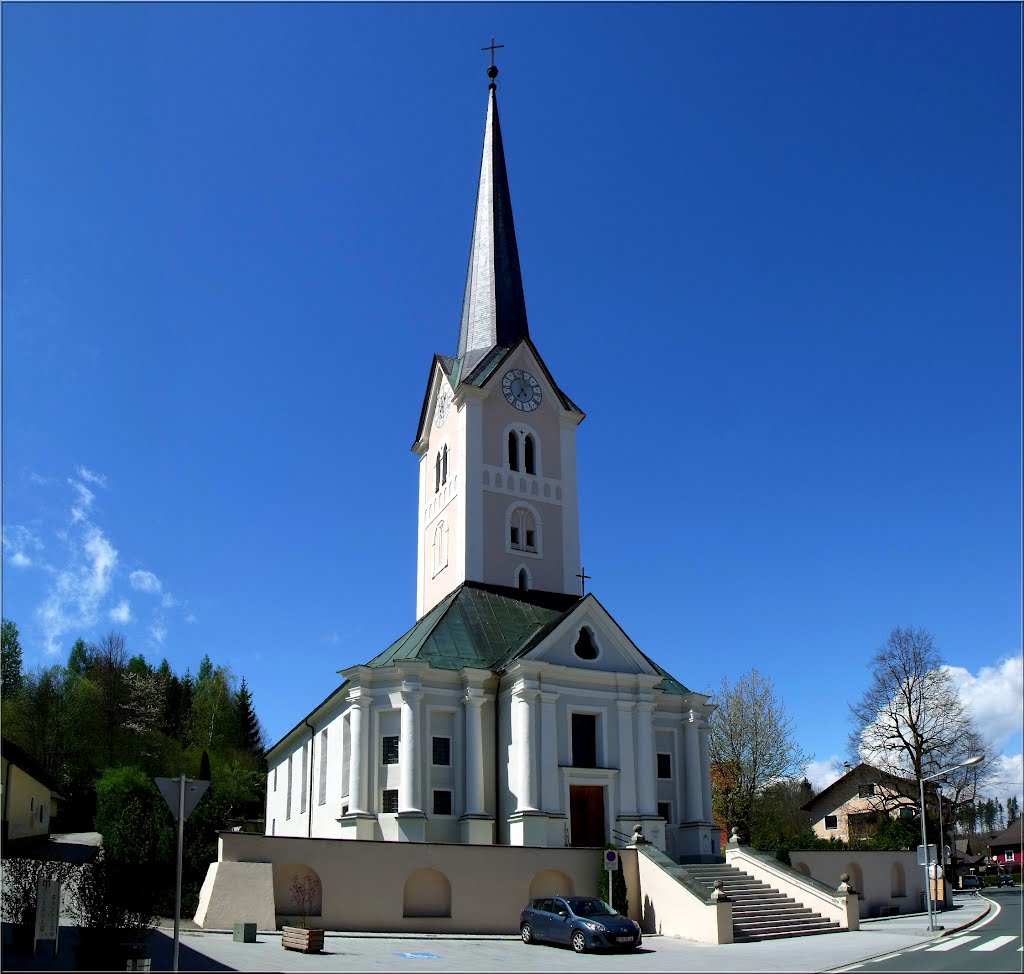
<point>588,638</point>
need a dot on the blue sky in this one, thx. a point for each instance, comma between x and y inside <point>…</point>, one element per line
<point>772,250</point>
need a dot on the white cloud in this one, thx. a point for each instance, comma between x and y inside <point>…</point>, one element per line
<point>145,582</point>
<point>168,601</point>
<point>18,542</point>
<point>122,612</point>
<point>158,632</point>
<point>822,773</point>
<point>76,591</point>
<point>995,697</point>
<point>83,504</point>
<point>190,618</point>
<point>92,478</point>
<point>1006,778</point>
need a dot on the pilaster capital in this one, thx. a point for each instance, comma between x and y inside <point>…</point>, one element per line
<point>625,706</point>
<point>548,697</point>
<point>645,707</point>
<point>474,697</point>
<point>359,697</point>
<point>526,689</point>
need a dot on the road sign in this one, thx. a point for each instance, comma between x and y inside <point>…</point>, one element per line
<point>921,860</point>
<point>194,790</point>
<point>47,912</point>
<point>611,860</point>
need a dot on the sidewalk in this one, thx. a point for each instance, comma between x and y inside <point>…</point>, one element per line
<point>216,950</point>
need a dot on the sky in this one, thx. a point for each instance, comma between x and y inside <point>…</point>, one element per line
<point>772,250</point>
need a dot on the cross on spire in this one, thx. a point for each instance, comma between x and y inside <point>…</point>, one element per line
<point>582,576</point>
<point>492,71</point>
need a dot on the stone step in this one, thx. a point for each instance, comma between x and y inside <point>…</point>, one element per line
<point>761,912</point>
<point>740,939</point>
<point>783,926</point>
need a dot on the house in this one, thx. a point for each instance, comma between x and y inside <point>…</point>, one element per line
<point>1005,848</point>
<point>515,710</point>
<point>851,805</point>
<point>29,797</point>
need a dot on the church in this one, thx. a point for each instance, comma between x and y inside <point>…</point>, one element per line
<point>516,710</point>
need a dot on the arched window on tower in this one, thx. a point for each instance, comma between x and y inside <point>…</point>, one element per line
<point>522,531</point>
<point>444,465</point>
<point>437,472</point>
<point>522,449</point>
<point>440,546</point>
<point>523,580</point>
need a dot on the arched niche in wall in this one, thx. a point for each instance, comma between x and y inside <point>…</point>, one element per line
<point>427,893</point>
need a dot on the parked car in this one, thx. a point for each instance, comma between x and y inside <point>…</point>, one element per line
<point>970,882</point>
<point>583,922</point>
<point>1004,880</point>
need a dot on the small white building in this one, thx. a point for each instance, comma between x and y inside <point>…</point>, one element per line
<point>516,710</point>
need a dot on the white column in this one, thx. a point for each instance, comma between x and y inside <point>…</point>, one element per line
<point>627,758</point>
<point>705,767</point>
<point>549,752</point>
<point>694,789</point>
<point>357,778</point>
<point>474,701</point>
<point>645,786</point>
<point>409,799</point>
<point>525,750</point>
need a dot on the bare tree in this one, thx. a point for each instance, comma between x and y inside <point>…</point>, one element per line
<point>910,720</point>
<point>752,745</point>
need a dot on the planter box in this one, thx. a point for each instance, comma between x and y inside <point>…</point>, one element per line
<point>301,939</point>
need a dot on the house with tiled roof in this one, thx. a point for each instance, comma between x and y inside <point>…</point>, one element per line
<point>515,710</point>
<point>1006,848</point>
<point>850,807</point>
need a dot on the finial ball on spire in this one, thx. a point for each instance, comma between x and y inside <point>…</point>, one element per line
<point>492,72</point>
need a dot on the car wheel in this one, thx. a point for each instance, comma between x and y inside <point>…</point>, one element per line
<point>579,942</point>
<point>526,932</point>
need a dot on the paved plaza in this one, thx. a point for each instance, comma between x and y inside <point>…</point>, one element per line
<point>208,950</point>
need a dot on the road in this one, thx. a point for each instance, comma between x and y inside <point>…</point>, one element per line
<point>992,944</point>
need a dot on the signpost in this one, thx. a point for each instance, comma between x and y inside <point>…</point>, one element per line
<point>47,913</point>
<point>611,860</point>
<point>182,795</point>
<point>925,857</point>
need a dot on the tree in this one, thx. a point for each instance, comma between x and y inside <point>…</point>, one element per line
<point>108,660</point>
<point>910,720</point>
<point>250,731</point>
<point>10,659</point>
<point>752,736</point>
<point>1012,810</point>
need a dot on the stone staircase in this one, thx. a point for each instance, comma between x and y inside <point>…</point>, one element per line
<point>760,912</point>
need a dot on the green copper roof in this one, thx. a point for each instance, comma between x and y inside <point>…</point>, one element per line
<point>477,625</point>
<point>487,627</point>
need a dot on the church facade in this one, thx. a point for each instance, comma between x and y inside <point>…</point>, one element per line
<point>516,710</point>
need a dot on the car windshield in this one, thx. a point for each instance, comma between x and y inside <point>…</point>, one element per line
<point>590,907</point>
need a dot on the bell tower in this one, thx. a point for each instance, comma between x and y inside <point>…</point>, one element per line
<point>497,437</point>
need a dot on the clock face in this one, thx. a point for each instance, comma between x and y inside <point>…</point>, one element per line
<point>521,389</point>
<point>444,400</point>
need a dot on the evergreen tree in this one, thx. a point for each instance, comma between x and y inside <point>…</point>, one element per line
<point>78,659</point>
<point>250,731</point>
<point>1000,814</point>
<point>990,818</point>
<point>10,660</point>
<point>1012,810</point>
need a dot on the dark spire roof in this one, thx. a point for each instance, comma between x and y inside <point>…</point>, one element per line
<point>493,307</point>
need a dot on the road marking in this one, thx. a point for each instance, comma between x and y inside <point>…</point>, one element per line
<point>923,946</point>
<point>995,943</point>
<point>953,943</point>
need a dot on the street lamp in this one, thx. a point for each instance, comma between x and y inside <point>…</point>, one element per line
<point>924,839</point>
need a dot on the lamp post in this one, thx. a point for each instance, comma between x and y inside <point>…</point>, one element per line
<point>921,779</point>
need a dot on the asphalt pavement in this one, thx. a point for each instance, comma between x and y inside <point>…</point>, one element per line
<point>211,950</point>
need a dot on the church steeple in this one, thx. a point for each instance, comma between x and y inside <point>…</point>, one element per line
<point>493,306</point>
